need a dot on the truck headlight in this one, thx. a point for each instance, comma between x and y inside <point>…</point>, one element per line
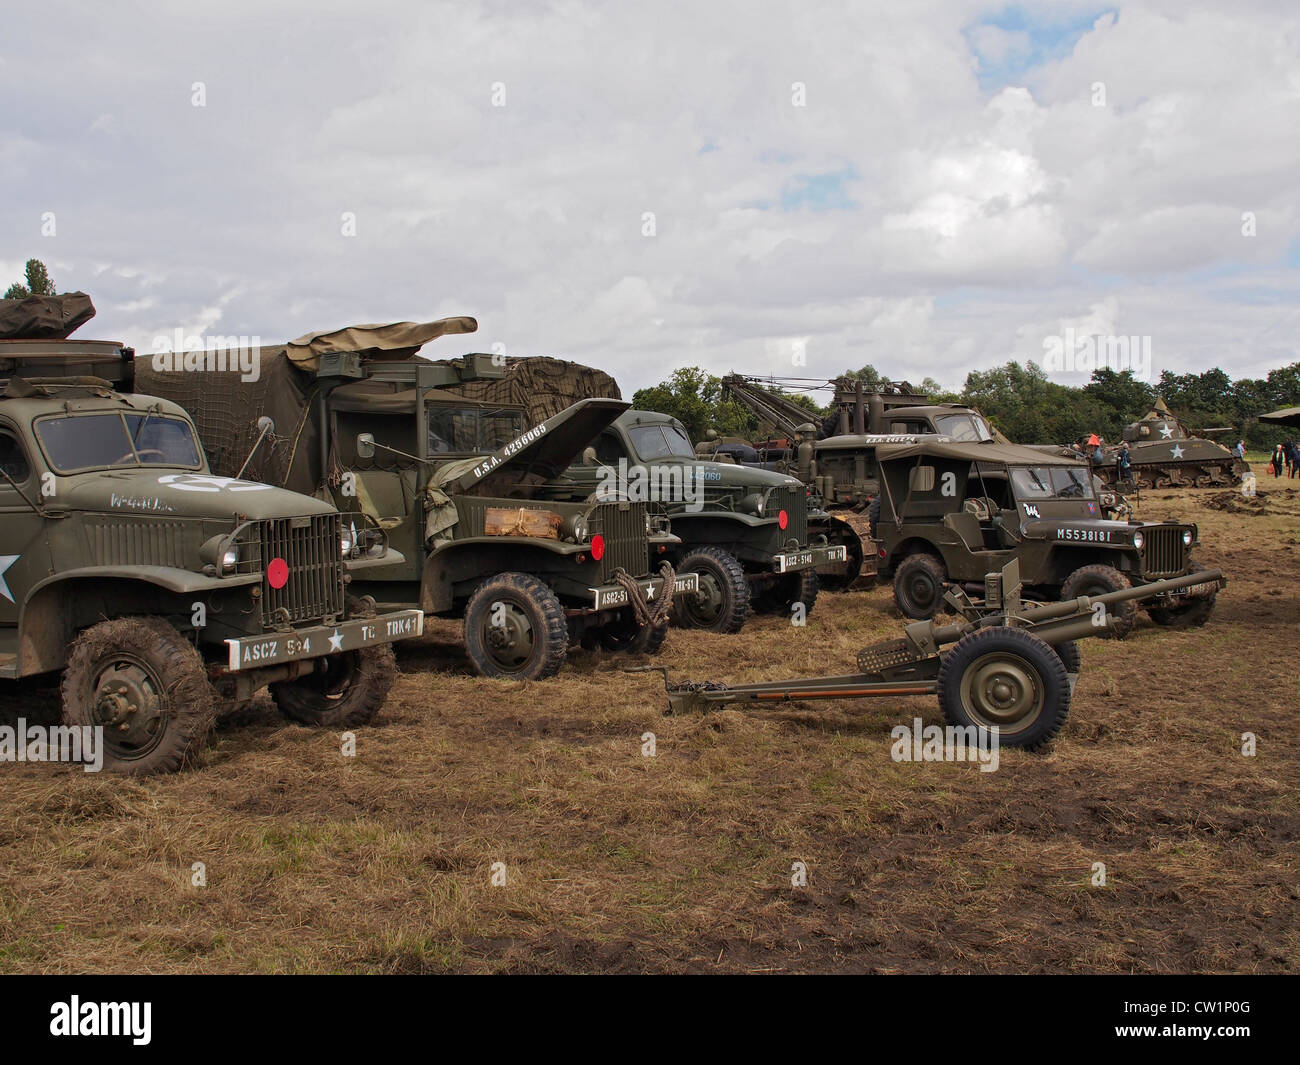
<point>229,560</point>
<point>345,543</point>
<point>1138,540</point>
<point>576,529</point>
<point>753,504</point>
<point>1187,537</point>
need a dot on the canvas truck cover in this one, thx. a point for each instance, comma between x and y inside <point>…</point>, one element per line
<point>226,403</point>
<point>542,385</point>
<point>44,317</point>
<point>994,453</point>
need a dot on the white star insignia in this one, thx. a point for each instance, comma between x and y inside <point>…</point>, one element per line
<point>5,562</point>
<point>336,641</point>
<point>650,592</point>
<point>1165,431</point>
<point>1178,451</point>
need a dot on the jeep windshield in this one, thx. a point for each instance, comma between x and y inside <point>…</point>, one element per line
<point>1051,482</point>
<point>472,430</point>
<point>660,441</point>
<point>963,427</point>
<point>91,441</point>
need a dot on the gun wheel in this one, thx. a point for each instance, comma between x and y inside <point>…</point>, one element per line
<point>1008,680</point>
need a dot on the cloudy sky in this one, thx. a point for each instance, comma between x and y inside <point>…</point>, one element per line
<point>931,187</point>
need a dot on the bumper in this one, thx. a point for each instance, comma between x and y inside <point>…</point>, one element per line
<point>270,649</point>
<point>810,558</point>
<point>612,596</point>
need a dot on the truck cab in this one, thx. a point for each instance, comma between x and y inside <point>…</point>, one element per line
<point>743,530</point>
<point>161,592</point>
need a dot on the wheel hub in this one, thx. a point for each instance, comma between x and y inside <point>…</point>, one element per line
<point>1003,690</point>
<point>127,704</point>
<point>509,636</point>
<point>707,605</point>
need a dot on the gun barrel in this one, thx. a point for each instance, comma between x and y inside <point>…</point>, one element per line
<point>1138,592</point>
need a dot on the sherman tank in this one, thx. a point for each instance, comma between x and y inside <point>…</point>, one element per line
<point>1163,454</point>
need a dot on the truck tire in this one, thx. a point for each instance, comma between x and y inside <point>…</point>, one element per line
<point>780,596</point>
<point>1098,580</point>
<point>918,586</point>
<point>839,577</point>
<point>515,628</point>
<point>624,635</point>
<point>147,686</point>
<point>1068,653</point>
<point>1191,615</point>
<point>1005,678</point>
<point>723,601</point>
<point>873,516</point>
<point>345,690</point>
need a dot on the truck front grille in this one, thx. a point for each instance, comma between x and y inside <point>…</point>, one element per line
<point>1163,553</point>
<point>794,501</point>
<point>626,543</point>
<point>310,548</point>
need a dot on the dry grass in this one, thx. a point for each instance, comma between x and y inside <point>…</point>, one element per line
<point>618,862</point>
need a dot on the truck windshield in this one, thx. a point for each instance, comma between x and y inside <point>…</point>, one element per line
<point>658,441</point>
<point>1047,482</point>
<point>963,427</point>
<point>89,441</point>
<point>472,430</point>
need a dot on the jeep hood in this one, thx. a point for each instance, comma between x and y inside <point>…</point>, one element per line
<point>544,451</point>
<point>165,492</point>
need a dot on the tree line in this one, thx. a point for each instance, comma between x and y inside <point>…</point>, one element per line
<point>1026,405</point>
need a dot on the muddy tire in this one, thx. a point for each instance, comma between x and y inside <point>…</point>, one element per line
<point>515,628</point>
<point>625,635</point>
<point>1191,615</point>
<point>839,577</point>
<point>146,664</point>
<point>918,586</point>
<point>344,690</point>
<point>723,601</point>
<point>1007,679</point>
<point>780,596</point>
<point>1098,580</point>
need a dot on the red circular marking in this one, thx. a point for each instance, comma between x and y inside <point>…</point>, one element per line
<point>277,573</point>
<point>782,520</point>
<point>598,547</point>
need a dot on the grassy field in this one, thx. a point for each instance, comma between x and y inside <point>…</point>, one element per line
<point>616,861</point>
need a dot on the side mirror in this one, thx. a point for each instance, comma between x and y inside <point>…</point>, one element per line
<point>589,456</point>
<point>265,425</point>
<point>366,446</point>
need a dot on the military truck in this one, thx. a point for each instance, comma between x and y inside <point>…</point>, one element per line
<point>163,593</point>
<point>953,512</point>
<point>463,489</point>
<point>744,532</point>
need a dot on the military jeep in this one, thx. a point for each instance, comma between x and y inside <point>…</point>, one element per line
<point>950,513</point>
<point>165,594</point>
<point>743,531</point>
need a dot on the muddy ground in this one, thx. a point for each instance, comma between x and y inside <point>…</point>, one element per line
<point>615,861</point>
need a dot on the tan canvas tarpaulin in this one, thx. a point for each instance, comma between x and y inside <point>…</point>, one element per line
<point>44,317</point>
<point>395,340</point>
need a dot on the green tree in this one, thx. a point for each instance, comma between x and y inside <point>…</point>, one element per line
<point>39,283</point>
<point>694,398</point>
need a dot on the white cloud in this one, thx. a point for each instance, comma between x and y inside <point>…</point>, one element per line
<point>979,218</point>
